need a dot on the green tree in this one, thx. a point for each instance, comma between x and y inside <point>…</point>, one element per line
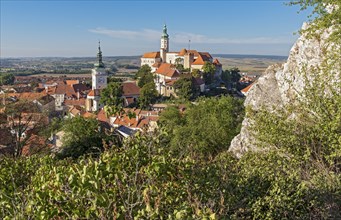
<point>148,94</point>
<point>81,136</point>
<point>208,72</point>
<point>210,126</point>
<point>196,73</point>
<point>111,97</point>
<point>6,78</point>
<point>184,88</point>
<point>144,75</point>
<point>24,121</point>
<point>171,118</point>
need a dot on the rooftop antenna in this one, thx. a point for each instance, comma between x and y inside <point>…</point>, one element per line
<point>189,45</point>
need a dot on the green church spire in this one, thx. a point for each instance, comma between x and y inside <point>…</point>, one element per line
<point>164,34</point>
<point>99,56</point>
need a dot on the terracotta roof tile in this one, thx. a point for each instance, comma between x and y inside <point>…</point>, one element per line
<point>216,62</point>
<point>182,52</point>
<point>130,89</point>
<point>25,96</point>
<point>167,69</point>
<point>94,92</point>
<point>246,89</point>
<point>74,102</point>
<point>151,55</point>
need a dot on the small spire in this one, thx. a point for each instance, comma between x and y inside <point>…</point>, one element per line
<point>164,34</point>
<point>99,56</point>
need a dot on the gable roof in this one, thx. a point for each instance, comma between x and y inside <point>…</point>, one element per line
<point>182,52</point>
<point>202,58</point>
<point>94,92</point>
<point>130,89</point>
<point>27,96</point>
<point>167,69</point>
<point>216,62</point>
<point>247,89</point>
<point>151,55</point>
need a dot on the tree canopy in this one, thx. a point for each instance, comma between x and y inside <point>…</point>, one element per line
<point>184,88</point>
<point>144,75</point>
<point>111,97</point>
<point>148,94</point>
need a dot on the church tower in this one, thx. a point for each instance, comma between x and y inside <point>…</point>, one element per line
<point>99,75</point>
<point>164,49</point>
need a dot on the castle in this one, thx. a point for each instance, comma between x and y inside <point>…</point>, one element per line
<point>163,64</point>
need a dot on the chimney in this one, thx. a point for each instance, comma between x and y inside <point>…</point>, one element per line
<point>78,94</point>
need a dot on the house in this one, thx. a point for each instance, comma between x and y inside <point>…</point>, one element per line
<point>45,103</point>
<point>165,76</point>
<point>135,120</point>
<point>151,59</point>
<point>246,90</point>
<point>131,92</point>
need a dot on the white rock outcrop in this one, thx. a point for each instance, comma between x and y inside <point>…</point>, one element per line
<point>282,84</point>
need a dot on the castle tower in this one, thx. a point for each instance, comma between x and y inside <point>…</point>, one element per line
<point>164,49</point>
<point>99,75</point>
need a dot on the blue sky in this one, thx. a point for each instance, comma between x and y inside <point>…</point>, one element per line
<point>73,28</point>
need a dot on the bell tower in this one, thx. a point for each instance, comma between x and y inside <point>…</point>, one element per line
<point>164,49</point>
<point>99,75</point>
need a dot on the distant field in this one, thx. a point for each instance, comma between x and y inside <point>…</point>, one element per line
<point>255,64</point>
<point>249,63</point>
<point>58,74</point>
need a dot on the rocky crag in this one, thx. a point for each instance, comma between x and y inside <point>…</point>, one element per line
<point>281,84</point>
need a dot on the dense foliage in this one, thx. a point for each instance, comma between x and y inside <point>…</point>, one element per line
<point>144,75</point>
<point>111,97</point>
<point>184,171</point>
<point>81,136</point>
<point>205,128</point>
<point>148,95</point>
<point>6,78</point>
<point>184,88</point>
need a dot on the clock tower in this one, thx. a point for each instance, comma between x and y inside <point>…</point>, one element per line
<point>164,49</point>
<point>99,75</point>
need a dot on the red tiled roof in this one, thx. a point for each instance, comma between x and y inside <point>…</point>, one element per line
<point>202,58</point>
<point>27,96</point>
<point>246,89</point>
<point>151,55</point>
<point>94,92</point>
<point>101,116</point>
<point>182,52</point>
<point>167,69</point>
<point>76,110</point>
<point>71,82</point>
<point>89,115</point>
<point>157,64</point>
<point>170,82</point>
<point>74,102</point>
<point>130,89</point>
<point>216,62</point>
<point>130,100</point>
<point>35,144</point>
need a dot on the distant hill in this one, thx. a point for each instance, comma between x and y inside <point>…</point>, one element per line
<point>244,56</point>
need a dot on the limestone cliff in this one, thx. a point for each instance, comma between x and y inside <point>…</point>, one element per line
<point>281,84</point>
